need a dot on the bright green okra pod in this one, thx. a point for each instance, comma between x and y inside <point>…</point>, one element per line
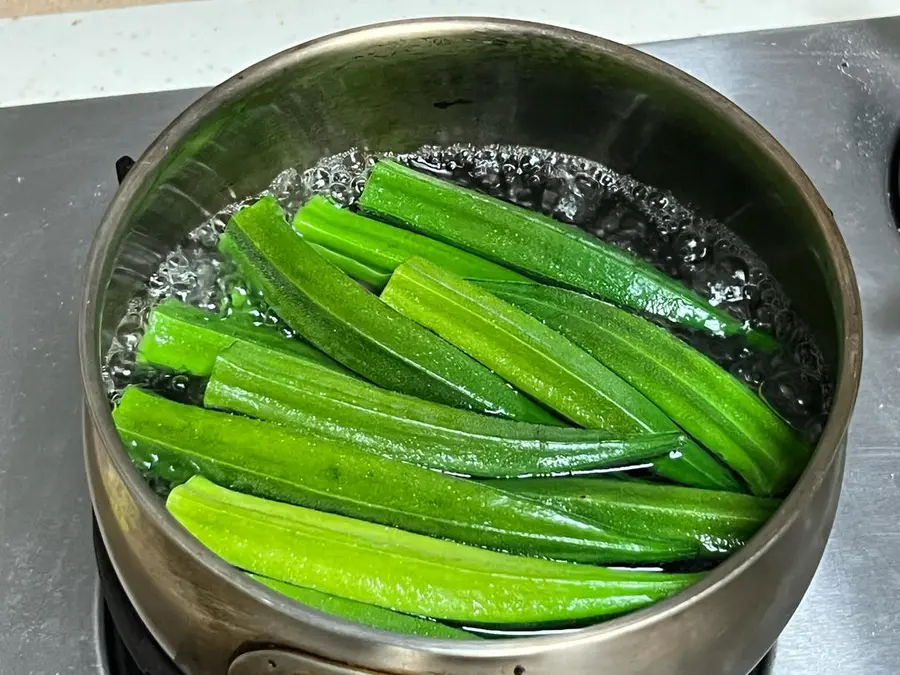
<point>188,339</point>
<point>382,247</point>
<point>407,572</point>
<point>364,613</point>
<point>715,523</point>
<point>700,396</point>
<point>538,246</point>
<point>360,271</point>
<point>335,314</point>
<point>304,395</point>
<point>175,441</point>
<point>539,361</point>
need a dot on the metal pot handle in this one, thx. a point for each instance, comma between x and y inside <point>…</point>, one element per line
<point>286,662</point>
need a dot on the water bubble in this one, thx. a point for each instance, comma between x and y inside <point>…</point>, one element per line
<point>691,248</point>
<point>658,200</point>
<point>357,185</point>
<point>568,207</point>
<point>341,193</point>
<point>747,373</point>
<point>529,163</point>
<point>319,179</point>
<point>795,397</point>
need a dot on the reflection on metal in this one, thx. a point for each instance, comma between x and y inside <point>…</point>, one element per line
<point>281,662</point>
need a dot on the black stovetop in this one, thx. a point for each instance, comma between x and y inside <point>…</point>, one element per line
<point>127,645</point>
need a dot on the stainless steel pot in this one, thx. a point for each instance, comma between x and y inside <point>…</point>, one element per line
<point>398,86</point>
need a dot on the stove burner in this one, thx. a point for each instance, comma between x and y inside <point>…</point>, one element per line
<point>123,166</point>
<point>129,646</point>
<point>765,666</point>
<point>118,658</point>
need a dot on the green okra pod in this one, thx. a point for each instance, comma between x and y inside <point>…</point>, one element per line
<point>370,615</point>
<point>382,247</point>
<point>539,246</point>
<point>715,523</point>
<point>338,316</point>
<point>704,399</point>
<point>176,441</point>
<point>304,395</point>
<point>407,572</point>
<point>538,360</point>
<point>188,339</point>
<point>357,269</point>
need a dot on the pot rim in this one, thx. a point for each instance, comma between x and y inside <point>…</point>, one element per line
<point>107,236</point>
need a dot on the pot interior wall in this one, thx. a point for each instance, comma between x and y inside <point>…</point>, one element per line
<point>420,86</point>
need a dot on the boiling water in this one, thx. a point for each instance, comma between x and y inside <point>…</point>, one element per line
<point>701,253</point>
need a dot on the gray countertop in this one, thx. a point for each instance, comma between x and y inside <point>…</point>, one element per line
<point>830,94</point>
